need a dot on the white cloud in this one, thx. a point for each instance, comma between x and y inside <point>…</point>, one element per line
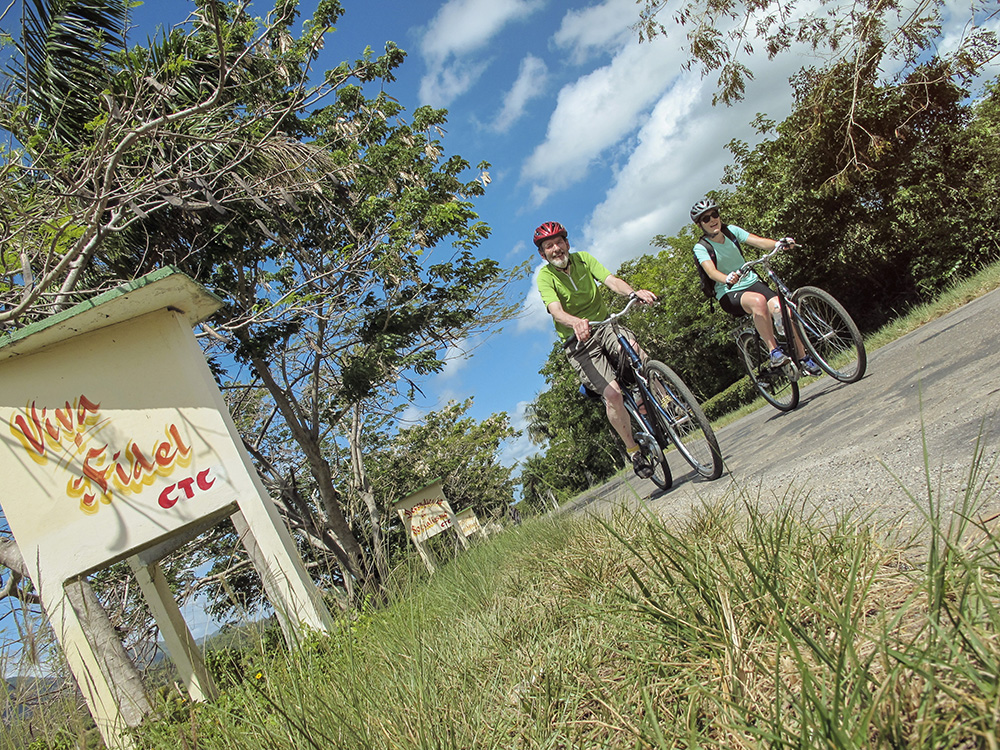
<point>463,26</point>
<point>534,316</point>
<point>596,112</point>
<point>519,252</point>
<point>460,28</point>
<point>530,84</point>
<point>671,138</point>
<point>412,415</point>
<point>680,153</point>
<point>455,359</point>
<point>448,82</point>
<point>516,451</point>
<point>956,28</point>
<point>596,29</point>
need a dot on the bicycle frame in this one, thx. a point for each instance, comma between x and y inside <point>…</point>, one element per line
<point>661,409</point>
<point>628,371</point>
<point>816,326</point>
<point>786,306</point>
<point>631,374</point>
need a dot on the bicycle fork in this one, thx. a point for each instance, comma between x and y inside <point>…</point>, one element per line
<point>650,400</point>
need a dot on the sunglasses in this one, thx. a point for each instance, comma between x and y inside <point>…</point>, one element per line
<point>709,216</point>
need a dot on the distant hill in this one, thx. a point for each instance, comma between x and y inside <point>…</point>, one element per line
<point>20,694</point>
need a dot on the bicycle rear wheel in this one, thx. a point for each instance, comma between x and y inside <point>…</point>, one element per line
<point>773,383</point>
<point>678,413</point>
<point>830,334</point>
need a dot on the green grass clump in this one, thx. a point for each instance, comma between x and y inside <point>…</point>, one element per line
<point>740,626</point>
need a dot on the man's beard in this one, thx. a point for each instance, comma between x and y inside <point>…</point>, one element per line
<point>561,263</point>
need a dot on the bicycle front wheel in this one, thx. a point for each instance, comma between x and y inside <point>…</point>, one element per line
<point>772,383</point>
<point>679,415</point>
<point>830,334</point>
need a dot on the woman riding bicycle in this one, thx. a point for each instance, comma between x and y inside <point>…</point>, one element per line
<point>568,287</point>
<point>747,295</point>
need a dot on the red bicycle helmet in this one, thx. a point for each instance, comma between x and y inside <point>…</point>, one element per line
<point>549,229</point>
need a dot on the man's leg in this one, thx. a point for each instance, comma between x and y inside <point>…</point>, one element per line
<point>614,405</point>
<point>598,374</point>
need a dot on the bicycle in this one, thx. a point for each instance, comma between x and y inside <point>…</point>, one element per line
<point>663,411</point>
<point>826,330</point>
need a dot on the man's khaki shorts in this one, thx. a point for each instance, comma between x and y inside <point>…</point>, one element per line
<point>596,359</point>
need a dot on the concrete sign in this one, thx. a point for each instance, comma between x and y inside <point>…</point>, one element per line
<point>425,514</point>
<point>468,522</point>
<point>109,465</point>
<point>117,444</point>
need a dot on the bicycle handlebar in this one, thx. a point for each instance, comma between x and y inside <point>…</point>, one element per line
<point>751,264</point>
<point>632,299</point>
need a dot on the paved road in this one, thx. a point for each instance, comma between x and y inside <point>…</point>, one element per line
<point>842,445</point>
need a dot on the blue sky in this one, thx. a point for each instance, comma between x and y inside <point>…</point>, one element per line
<point>582,125</point>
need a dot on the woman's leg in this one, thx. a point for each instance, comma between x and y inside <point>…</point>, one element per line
<point>757,307</point>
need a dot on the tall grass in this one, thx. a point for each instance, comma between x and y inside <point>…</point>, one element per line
<point>735,627</point>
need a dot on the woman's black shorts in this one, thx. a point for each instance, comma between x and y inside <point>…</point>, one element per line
<point>730,301</point>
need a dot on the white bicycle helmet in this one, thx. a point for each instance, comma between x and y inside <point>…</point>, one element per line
<point>705,204</point>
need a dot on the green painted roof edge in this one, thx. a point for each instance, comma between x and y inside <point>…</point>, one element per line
<point>119,291</point>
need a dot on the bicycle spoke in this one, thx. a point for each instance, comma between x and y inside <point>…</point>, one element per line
<point>772,383</point>
<point>680,416</point>
<point>830,335</point>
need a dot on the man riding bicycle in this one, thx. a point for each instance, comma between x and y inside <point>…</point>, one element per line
<point>737,295</point>
<point>568,286</point>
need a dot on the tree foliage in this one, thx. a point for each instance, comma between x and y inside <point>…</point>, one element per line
<point>912,220</point>
<point>451,446</point>
<point>340,235</point>
<point>856,40</point>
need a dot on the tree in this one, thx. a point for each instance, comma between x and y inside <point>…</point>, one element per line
<point>451,446</point>
<point>310,203</point>
<point>353,306</point>
<point>894,233</point>
<point>106,140</point>
<point>855,38</point>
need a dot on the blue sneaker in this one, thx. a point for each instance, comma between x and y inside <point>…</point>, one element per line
<point>778,357</point>
<point>810,366</point>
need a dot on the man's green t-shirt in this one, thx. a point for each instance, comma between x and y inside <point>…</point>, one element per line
<point>576,290</point>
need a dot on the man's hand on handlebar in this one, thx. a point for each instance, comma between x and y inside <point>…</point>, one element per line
<point>645,296</point>
<point>582,329</point>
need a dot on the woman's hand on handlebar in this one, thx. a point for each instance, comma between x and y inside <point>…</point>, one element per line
<point>732,278</point>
